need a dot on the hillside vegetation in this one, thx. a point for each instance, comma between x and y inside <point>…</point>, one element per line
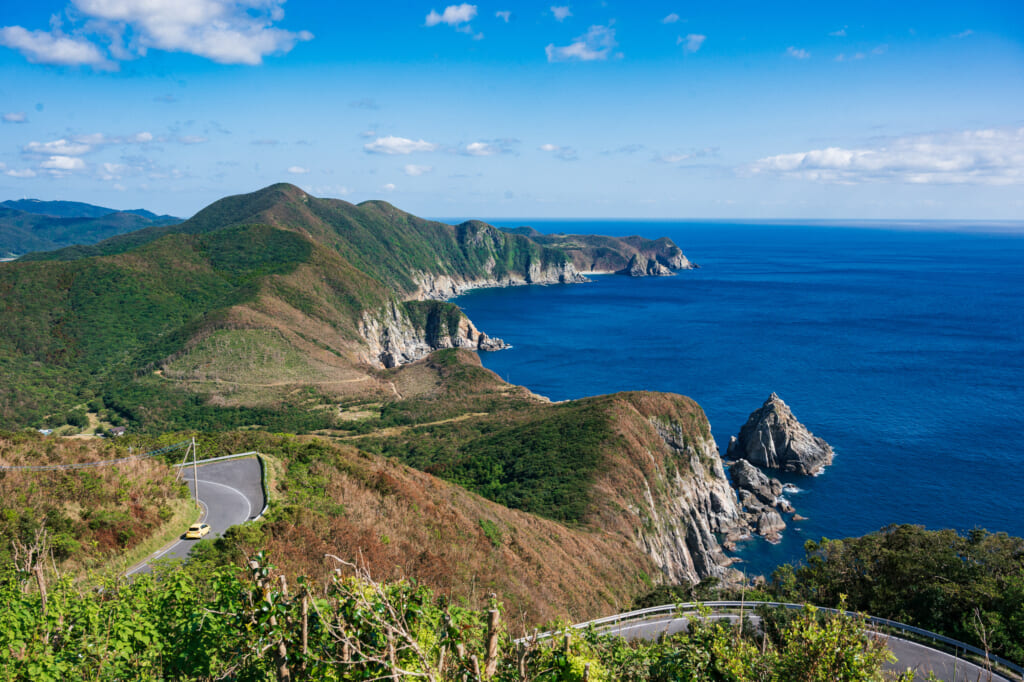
<point>91,515</point>
<point>208,623</point>
<point>29,225</point>
<point>155,322</point>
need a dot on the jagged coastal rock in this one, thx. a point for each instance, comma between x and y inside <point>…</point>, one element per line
<point>642,266</point>
<point>442,287</point>
<point>774,439</point>
<point>760,497</point>
<point>393,338</point>
<point>687,507</point>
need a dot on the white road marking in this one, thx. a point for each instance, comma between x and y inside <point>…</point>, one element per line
<point>238,492</point>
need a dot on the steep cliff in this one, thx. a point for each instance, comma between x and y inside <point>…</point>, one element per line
<point>405,333</point>
<point>664,485</point>
<point>773,438</point>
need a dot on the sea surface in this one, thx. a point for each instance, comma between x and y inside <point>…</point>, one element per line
<point>901,345</point>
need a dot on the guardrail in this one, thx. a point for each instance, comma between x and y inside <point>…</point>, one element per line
<point>643,614</point>
<point>103,463</point>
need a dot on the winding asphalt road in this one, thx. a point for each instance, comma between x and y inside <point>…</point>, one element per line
<point>917,657</point>
<point>230,493</point>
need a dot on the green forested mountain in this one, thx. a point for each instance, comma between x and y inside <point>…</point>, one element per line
<point>254,296</point>
<point>29,225</point>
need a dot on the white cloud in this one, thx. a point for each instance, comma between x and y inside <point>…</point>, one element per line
<point>692,41</point>
<point>564,153</point>
<point>398,145</point>
<point>25,173</point>
<point>390,187</point>
<point>798,53</point>
<point>504,15</point>
<point>224,31</point>
<point>453,15</point>
<point>297,170</point>
<point>15,117</point>
<point>840,33</point>
<point>45,47</point>
<point>561,13</point>
<point>963,34</point>
<point>596,44</point>
<point>482,149</point>
<point>414,170</point>
<point>61,146</point>
<point>63,163</point>
<point>670,19</point>
<point>983,157</point>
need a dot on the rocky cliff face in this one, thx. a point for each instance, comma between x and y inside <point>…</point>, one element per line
<point>642,266</point>
<point>442,287</point>
<point>774,439</point>
<point>760,498</point>
<point>664,487</point>
<point>696,503</point>
<point>393,339</point>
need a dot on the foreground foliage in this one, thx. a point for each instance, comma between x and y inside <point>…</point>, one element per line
<point>249,624</point>
<point>969,587</point>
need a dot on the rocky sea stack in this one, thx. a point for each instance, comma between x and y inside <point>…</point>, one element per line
<point>774,439</point>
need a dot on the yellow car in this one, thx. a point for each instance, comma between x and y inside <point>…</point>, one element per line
<point>197,530</point>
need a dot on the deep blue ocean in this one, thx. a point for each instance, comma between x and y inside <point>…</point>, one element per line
<point>903,348</point>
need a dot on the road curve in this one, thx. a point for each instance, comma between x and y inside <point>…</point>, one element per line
<point>919,658</point>
<point>230,493</point>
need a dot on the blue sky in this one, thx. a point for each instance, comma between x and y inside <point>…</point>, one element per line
<point>567,109</point>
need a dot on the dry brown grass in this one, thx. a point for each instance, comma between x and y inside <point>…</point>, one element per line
<point>404,523</point>
<point>105,510</point>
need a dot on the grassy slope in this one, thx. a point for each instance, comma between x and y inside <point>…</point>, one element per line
<point>277,260</point>
<point>91,514</point>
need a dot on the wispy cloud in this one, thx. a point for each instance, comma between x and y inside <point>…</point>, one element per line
<point>797,53</point>
<point>21,173</point>
<point>365,103</point>
<point>298,170</point>
<point>61,146</point>
<point>563,153</point>
<point>983,157</point>
<point>488,148</point>
<point>692,42</point>
<point>624,149</point>
<point>504,15</point>
<point>15,117</point>
<point>398,145</point>
<point>561,12</point>
<point>963,34</point>
<point>595,45</point>
<point>670,19</point>
<point>415,171</point>
<point>839,33</point>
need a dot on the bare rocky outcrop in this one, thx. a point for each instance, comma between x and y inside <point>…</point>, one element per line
<point>643,266</point>
<point>774,439</point>
<point>685,507</point>
<point>431,286</point>
<point>760,498</point>
<point>392,339</point>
